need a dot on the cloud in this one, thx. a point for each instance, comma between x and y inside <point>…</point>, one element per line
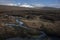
<point>11,4</point>
<point>18,4</point>
<point>38,5</point>
<point>54,5</point>
<point>6,1</point>
<point>8,4</point>
<point>26,5</point>
<point>32,5</point>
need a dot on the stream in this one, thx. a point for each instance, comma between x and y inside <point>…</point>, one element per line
<point>42,36</point>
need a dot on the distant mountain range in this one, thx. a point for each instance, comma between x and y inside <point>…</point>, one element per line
<point>23,10</point>
<point>9,8</point>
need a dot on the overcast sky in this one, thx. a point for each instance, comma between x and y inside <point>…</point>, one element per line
<point>31,3</point>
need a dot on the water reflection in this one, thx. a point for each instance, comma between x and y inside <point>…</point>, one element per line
<point>19,22</point>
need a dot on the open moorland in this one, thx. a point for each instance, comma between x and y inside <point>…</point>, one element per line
<point>29,22</point>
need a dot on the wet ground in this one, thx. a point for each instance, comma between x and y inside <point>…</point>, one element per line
<point>42,36</point>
